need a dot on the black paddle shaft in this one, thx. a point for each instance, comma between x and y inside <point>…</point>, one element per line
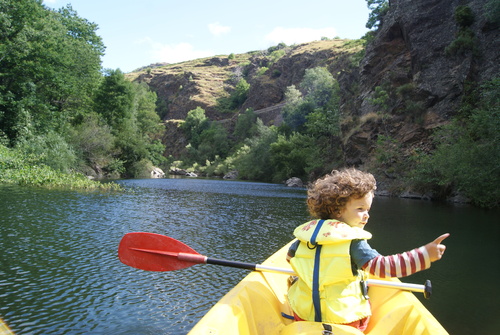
<point>223,262</point>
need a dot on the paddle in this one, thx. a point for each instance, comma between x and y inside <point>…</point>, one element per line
<point>155,252</point>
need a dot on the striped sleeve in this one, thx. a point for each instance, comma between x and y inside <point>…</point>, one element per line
<point>399,265</point>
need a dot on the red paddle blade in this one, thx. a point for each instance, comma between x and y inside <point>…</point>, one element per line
<point>154,252</point>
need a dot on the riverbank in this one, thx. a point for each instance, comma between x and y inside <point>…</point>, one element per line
<point>19,169</point>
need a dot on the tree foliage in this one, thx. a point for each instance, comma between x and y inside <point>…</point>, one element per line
<point>316,102</point>
<point>49,65</point>
<point>128,109</point>
<point>55,101</point>
<point>230,103</point>
<point>378,10</point>
<point>472,144</point>
<point>311,123</point>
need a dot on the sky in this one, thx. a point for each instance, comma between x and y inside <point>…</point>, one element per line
<point>138,33</point>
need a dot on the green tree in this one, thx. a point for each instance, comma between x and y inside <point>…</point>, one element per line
<point>320,94</point>
<point>253,160</point>
<point>378,10</point>
<point>148,120</point>
<point>235,100</point>
<point>293,157</point>
<point>323,123</point>
<point>318,86</point>
<point>94,143</point>
<point>246,125</point>
<point>240,93</point>
<point>114,100</point>
<point>194,124</point>
<point>128,108</point>
<point>213,142</point>
<point>292,113</point>
<point>47,69</point>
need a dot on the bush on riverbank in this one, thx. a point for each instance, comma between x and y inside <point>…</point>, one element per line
<point>28,170</point>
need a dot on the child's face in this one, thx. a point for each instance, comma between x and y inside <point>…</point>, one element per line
<point>355,213</point>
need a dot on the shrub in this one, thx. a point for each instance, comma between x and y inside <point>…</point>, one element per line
<point>262,70</point>
<point>51,150</point>
<point>380,99</point>
<point>467,155</point>
<point>141,169</point>
<point>464,43</point>
<point>276,55</point>
<point>17,167</point>
<point>464,16</point>
<point>465,40</point>
<point>93,142</point>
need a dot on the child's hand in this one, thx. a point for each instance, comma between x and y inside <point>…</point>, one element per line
<point>436,249</point>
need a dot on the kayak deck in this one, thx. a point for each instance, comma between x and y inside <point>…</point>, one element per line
<point>4,329</point>
<point>256,306</point>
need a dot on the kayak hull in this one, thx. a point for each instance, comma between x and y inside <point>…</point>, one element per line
<point>258,305</point>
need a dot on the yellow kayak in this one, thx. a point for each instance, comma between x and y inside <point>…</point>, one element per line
<point>4,329</point>
<point>257,304</point>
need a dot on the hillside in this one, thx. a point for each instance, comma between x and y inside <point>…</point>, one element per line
<point>184,86</point>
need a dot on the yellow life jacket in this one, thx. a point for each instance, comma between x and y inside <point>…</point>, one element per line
<point>327,290</point>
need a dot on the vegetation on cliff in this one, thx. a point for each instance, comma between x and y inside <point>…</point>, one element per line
<point>303,144</point>
<point>467,155</point>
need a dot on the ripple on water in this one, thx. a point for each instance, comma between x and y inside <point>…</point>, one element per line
<point>59,269</point>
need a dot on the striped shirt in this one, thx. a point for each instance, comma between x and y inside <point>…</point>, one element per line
<point>399,265</point>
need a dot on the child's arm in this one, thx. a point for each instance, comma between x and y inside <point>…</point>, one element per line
<point>407,263</point>
<point>399,265</point>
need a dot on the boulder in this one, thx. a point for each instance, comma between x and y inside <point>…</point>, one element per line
<point>177,172</point>
<point>294,182</point>
<point>157,173</point>
<point>231,175</point>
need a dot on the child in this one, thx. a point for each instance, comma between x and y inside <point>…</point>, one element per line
<point>333,258</point>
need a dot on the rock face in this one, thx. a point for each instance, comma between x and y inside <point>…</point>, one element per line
<point>424,82</point>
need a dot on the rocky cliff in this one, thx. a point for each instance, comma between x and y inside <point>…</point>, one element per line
<point>413,59</point>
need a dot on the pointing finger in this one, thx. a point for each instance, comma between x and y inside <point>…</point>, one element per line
<point>441,238</point>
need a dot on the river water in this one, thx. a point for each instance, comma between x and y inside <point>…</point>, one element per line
<point>60,274</point>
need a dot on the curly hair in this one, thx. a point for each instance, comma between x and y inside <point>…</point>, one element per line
<point>327,196</point>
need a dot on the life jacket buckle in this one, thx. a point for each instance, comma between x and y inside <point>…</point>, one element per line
<point>327,329</point>
<point>364,289</point>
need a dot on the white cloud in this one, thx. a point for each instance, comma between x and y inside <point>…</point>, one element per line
<point>174,53</point>
<point>217,29</point>
<point>49,1</point>
<point>298,35</point>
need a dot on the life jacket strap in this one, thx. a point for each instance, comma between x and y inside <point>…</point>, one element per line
<point>315,282</point>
